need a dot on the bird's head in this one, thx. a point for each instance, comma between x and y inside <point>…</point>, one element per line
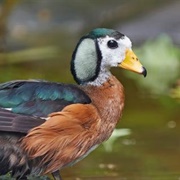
<point>100,50</point>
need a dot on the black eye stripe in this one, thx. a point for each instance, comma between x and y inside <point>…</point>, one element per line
<point>112,44</point>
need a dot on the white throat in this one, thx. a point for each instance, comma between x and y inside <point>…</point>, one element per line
<point>103,76</point>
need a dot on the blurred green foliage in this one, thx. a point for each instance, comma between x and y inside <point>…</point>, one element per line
<point>162,60</point>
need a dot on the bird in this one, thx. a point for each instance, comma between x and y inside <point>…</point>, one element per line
<point>47,126</point>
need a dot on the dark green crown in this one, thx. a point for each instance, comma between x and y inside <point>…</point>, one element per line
<point>102,32</point>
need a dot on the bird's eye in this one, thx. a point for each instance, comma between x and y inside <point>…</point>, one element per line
<point>112,44</point>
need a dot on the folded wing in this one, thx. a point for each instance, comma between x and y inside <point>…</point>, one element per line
<point>26,104</point>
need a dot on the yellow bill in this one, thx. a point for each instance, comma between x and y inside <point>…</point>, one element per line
<point>132,63</point>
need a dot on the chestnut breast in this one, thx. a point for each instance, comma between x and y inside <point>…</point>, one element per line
<point>109,101</point>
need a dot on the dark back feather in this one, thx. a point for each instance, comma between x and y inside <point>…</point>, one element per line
<point>39,98</point>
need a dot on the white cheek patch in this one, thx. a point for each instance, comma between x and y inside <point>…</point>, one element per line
<point>112,57</point>
<point>109,56</point>
<point>85,61</point>
<point>126,42</point>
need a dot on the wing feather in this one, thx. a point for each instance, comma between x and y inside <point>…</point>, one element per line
<point>11,122</point>
<point>39,98</point>
<point>67,136</point>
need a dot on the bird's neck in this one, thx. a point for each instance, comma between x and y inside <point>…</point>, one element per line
<point>100,80</point>
<point>109,101</point>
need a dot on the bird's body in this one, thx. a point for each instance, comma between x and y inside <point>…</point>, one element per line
<point>46,126</point>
